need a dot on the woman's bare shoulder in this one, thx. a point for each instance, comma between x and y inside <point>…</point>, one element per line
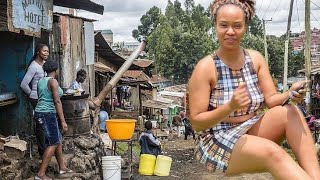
<point>53,82</point>
<point>203,71</point>
<point>205,63</point>
<point>255,55</point>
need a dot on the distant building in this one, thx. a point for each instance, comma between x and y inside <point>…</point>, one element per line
<point>108,36</point>
<point>126,48</point>
<point>130,46</point>
<point>297,41</point>
<point>160,82</point>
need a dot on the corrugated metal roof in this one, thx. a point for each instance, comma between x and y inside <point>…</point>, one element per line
<point>133,73</point>
<point>142,62</point>
<point>80,4</point>
<point>98,66</point>
<point>165,100</point>
<point>138,75</point>
<point>106,31</point>
<point>156,104</point>
<point>105,51</point>
<point>168,93</point>
<point>314,70</point>
<point>72,16</point>
<point>176,88</point>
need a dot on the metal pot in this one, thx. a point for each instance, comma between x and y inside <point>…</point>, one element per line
<point>76,113</point>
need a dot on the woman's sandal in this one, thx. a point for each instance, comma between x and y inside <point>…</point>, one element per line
<point>65,171</point>
<point>41,177</point>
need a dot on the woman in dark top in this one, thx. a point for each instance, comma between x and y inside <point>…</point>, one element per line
<point>47,113</point>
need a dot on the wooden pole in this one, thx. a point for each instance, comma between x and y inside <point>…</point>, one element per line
<point>286,46</point>
<point>140,100</point>
<point>97,100</point>
<point>308,54</point>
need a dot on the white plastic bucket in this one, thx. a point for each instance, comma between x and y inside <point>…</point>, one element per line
<point>111,167</point>
<point>106,160</point>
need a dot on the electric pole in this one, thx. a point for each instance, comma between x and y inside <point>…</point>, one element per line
<point>307,52</point>
<point>286,46</point>
<point>265,40</point>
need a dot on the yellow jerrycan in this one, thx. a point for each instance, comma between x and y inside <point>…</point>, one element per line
<point>163,165</point>
<point>147,163</point>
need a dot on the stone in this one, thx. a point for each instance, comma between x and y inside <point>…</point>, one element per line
<point>15,148</point>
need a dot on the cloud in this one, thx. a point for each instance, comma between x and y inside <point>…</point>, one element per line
<point>122,16</point>
<point>130,5</point>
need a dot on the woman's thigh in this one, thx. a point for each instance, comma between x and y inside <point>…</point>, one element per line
<point>254,154</point>
<point>51,129</point>
<point>272,125</point>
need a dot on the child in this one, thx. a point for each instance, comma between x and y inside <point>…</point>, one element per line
<point>149,143</point>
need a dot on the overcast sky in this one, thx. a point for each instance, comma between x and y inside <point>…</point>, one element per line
<point>122,16</point>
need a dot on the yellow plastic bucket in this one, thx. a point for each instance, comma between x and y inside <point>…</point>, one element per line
<point>147,163</point>
<point>163,165</point>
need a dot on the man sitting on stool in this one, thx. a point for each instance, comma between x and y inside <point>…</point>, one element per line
<point>149,143</point>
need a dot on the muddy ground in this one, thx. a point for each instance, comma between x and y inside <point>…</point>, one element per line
<point>185,167</point>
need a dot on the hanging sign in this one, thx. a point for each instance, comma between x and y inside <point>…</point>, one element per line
<point>32,15</point>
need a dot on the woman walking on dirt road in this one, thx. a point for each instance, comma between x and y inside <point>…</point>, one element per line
<point>227,91</point>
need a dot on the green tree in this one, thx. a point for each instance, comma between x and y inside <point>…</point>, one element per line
<point>255,26</point>
<point>275,54</point>
<point>181,36</point>
<point>253,42</point>
<point>295,63</point>
<point>275,51</point>
<point>180,40</point>
<point>149,22</point>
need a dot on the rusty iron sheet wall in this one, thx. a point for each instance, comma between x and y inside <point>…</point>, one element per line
<point>65,59</point>
<point>89,42</point>
<point>72,52</point>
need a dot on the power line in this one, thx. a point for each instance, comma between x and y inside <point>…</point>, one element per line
<point>267,9</point>
<point>260,7</point>
<point>315,4</point>
<point>315,17</point>
<point>312,14</point>
<point>298,15</point>
<point>276,9</point>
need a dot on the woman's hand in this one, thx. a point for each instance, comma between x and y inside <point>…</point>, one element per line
<point>64,126</point>
<point>240,97</point>
<point>297,91</point>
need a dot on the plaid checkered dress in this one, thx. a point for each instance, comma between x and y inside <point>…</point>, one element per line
<point>214,146</point>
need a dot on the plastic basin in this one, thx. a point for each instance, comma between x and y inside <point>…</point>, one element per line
<point>120,129</point>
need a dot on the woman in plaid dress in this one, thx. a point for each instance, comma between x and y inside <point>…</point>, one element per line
<point>226,92</point>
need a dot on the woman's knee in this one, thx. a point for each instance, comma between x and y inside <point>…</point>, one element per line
<point>274,154</point>
<point>285,113</point>
<point>279,113</point>
<point>255,154</point>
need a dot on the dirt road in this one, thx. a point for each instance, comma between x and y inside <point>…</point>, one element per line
<point>184,167</point>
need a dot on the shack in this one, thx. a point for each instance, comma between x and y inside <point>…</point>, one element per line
<point>22,25</point>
